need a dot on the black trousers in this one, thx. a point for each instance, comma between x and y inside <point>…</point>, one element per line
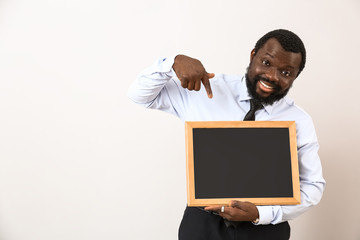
<point>198,224</point>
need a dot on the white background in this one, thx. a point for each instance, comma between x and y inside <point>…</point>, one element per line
<point>78,160</point>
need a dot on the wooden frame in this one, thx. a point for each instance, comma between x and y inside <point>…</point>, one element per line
<point>192,148</point>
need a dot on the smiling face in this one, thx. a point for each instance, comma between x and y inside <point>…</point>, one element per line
<point>271,72</point>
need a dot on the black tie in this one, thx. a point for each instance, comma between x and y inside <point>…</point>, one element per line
<point>254,106</point>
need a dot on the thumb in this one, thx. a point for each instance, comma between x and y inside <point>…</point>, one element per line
<point>235,204</point>
<point>211,75</point>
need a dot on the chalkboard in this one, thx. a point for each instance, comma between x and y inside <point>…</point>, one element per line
<point>252,161</point>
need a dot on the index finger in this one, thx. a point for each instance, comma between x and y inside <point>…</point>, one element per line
<point>206,83</point>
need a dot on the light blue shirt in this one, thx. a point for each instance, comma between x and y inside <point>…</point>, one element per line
<point>158,87</point>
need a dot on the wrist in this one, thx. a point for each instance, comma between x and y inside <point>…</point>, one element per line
<point>257,217</point>
<point>177,59</point>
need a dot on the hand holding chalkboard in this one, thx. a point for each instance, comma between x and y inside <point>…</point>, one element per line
<point>236,211</point>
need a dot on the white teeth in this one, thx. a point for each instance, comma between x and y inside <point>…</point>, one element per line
<point>267,86</point>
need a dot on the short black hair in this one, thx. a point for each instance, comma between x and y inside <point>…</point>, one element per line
<point>288,40</point>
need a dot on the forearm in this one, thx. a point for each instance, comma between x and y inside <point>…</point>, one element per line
<point>310,196</point>
<point>151,81</point>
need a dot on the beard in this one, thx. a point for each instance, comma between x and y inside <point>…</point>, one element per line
<point>269,100</point>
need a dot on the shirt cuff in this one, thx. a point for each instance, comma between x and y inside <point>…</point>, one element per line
<point>265,215</point>
<point>171,74</point>
<point>166,66</point>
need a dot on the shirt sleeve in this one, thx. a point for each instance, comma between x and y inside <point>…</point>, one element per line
<point>158,87</point>
<point>312,183</point>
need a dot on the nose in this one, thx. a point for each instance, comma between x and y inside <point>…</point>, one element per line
<point>273,75</point>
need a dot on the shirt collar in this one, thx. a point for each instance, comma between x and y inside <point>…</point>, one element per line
<point>244,96</point>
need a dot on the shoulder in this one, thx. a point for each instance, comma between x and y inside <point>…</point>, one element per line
<point>221,80</point>
<point>304,123</point>
<point>296,110</point>
<point>227,78</point>
<point>226,85</point>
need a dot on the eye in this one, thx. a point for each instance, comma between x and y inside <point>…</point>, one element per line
<point>266,62</point>
<point>286,73</point>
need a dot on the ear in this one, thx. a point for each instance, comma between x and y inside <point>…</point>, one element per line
<point>252,54</point>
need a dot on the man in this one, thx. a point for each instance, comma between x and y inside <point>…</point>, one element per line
<point>174,85</point>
